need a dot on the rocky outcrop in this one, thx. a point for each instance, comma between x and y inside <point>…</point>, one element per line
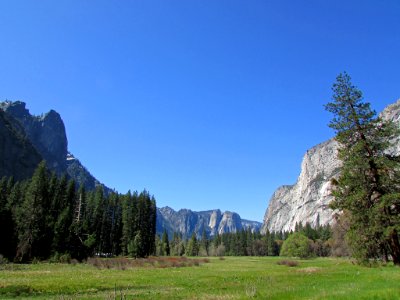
<point>45,132</point>
<point>308,199</point>
<point>230,222</point>
<point>212,222</point>
<point>19,158</point>
<point>48,140</point>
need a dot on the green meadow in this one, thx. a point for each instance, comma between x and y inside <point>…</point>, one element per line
<point>213,278</point>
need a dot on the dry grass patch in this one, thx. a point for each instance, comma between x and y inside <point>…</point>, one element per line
<point>123,263</point>
<point>309,270</point>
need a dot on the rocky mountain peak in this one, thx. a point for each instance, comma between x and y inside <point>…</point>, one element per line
<point>46,133</point>
<point>213,222</point>
<point>47,136</point>
<point>230,222</point>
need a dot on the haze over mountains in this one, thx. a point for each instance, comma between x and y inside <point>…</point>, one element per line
<point>27,139</point>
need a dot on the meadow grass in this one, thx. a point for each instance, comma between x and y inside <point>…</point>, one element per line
<point>231,278</point>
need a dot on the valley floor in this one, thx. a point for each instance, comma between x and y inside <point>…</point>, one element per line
<point>230,278</point>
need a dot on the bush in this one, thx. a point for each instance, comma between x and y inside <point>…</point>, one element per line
<point>289,263</point>
<point>297,245</point>
<point>3,260</point>
<point>60,258</point>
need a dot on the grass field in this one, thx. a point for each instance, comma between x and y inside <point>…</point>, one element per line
<point>231,278</point>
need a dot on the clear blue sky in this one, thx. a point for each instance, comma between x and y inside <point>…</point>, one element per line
<point>205,103</point>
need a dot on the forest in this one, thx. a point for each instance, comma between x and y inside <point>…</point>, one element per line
<point>47,217</point>
<point>51,218</point>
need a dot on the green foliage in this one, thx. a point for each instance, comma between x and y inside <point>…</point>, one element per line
<point>165,244</point>
<point>297,245</point>
<point>138,223</point>
<point>47,217</point>
<point>192,248</point>
<point>177,245</point>
<point>31,218</point>
<point>368,188</point>
<point>7,223</point>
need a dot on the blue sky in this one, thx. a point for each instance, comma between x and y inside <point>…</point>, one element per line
<point>205,103</point>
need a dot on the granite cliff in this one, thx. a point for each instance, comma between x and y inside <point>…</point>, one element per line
<point>19,157</point>
<point>308,199</point>
<point>213,222</point>
<point>43,137</point>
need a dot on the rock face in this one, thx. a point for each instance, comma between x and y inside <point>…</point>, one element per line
<point>212,222</point>
<point>46,133</point>
<point>18,156</point>
<point>308,199</point>
<point>47,139</point>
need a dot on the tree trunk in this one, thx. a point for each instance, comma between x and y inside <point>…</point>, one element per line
<point>395,247</point>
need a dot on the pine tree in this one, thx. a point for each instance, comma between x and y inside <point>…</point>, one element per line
<point>129,209</point>
<point>7,226</point>
<point>369,185</point>
<point>165,243</point>
<point>116,223</point>
<point>62,228</point>
<point>31,218</point>
<point>192,248</point>
<point>204,244</point>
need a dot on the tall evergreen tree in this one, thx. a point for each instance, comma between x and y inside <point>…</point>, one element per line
<point>165,243</point>
<point>62,229</point>
<point>192,248</point>
<point>7,225</point>
<point>129,213</point>
<point>116,223</point>
<point>204,244</point>
<point>369,184</point>
<point>31,218</point>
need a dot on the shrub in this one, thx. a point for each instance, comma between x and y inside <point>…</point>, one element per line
<point>297,245</point>
<point>289,263</point>
<point>3,260</point>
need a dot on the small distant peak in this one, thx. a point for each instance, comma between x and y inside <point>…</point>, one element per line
<point>184,211</point>
<point>167,208</point>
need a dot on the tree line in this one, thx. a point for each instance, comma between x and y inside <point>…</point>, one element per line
<point>245,243</point>
<point>49,217</point>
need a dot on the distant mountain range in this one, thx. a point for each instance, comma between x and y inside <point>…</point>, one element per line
<point>213,222</point>
<point>25,140</point>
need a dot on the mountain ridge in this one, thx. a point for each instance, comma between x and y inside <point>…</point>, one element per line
<point>213,222</point>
